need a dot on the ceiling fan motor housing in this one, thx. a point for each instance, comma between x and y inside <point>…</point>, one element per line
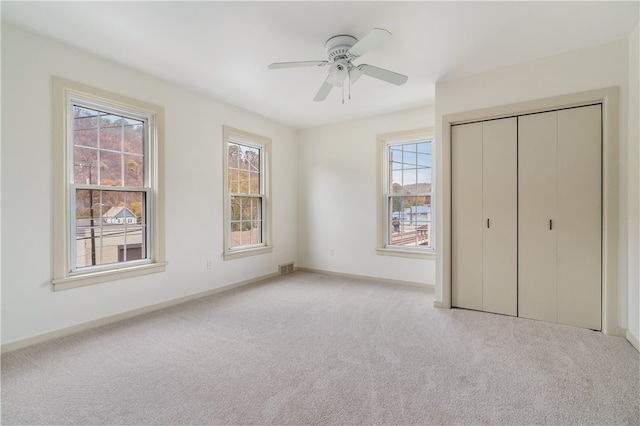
<point>338,46</point>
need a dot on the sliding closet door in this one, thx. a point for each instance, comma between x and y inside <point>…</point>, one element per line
<point>500,214</point>
<point>466,220</point>
<point>537,210</point>
<point>579,217</point>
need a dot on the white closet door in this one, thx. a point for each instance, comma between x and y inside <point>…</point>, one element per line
<point>579,217</point>
<point>537,198</point>
<point>466,220</point>
<point>500,208</point>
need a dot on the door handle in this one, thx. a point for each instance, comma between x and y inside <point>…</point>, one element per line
<point>488,223</point>
<point>550,224</point>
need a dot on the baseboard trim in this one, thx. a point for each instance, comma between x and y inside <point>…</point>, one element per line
<point>441,305</point>
<point>633,340</point>
<point>367,277</point>
<point>23,343</point>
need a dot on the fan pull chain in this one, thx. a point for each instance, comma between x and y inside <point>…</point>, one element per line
<point>343,92</point>
<point>349,76</point>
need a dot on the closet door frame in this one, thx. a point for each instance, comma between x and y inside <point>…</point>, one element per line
<point>608,97</point>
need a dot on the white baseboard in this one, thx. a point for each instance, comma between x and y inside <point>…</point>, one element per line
<point>633,340</point>
<point>367,277</point>
<point>18,344</point>
<point>439,304</point>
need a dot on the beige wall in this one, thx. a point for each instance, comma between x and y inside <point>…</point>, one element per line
<point>193,196</point>
<point>338,198</point>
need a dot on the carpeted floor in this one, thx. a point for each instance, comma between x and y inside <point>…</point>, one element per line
<point>314,349</point>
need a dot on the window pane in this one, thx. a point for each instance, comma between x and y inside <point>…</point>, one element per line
<point>395,157</point>
<point>113,235</point>
<point>243,163</point>
<point>85,166</point>
<point>110,168</point>
<point>233,155</point>
<point>409,158</point>
<point>424,179</point>
<point>131,252</point>
<point>133,137</point>
<point>134,170</point>
<point>254,161</point>
<point>87,207</point>
<point>85,127</point>
<point>424,160</point>
<point>409,181</point>
<point>235,209</point>
<point>111,132</point>
<point>243,182</point>
<point>135,203</point>
<point>234,183</point>
<point>396,186</point>
<point>254,183</point>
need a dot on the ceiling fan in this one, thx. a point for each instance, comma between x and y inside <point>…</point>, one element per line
<point>342,50</point>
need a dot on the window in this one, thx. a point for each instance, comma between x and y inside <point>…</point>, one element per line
<point>247,215</point>
<point>406,195</point>
<point>107,205</point>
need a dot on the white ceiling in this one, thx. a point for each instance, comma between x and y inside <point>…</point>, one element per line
<point>223,48</point>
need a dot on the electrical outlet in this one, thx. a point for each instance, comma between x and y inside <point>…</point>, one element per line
<point>209,264</point>
<point>331,252</point>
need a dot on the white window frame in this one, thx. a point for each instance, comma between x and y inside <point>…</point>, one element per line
<point>233,135</point>
<point>67,93</point>
<point>384,141</point>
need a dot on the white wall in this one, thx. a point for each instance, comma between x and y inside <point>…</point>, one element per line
<point>577,71</point>
<point>634,184</point>
<point>193,178</point>
<point>337,199</point>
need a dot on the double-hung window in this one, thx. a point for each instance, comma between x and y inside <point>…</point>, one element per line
<point>406,193</point>
<point>107,186</point>
<point>247,205</point>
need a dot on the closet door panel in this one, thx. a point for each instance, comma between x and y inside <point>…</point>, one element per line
<point>537,198</point>
<point>466,220</point>
<point>500,209</point>
<point>579,217</point>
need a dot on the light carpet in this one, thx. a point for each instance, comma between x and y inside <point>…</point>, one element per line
<point>307,348</point>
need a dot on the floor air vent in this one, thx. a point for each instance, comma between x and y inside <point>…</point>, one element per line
<point>285,269</point>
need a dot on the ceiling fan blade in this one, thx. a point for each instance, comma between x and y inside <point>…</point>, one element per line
<point>354,74</point>
<point>382,74</point>
<point>324,90</point>
<point>299,64</point>
<point>373,39</point>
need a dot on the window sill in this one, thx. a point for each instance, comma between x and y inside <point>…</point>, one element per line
<point>413,254</point>
<point>104,276</point>
<point>230,255</point>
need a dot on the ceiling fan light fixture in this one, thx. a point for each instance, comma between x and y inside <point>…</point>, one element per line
<point>338,72</point>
